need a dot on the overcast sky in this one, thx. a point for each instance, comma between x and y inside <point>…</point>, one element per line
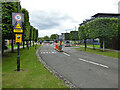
<point>59,16</point>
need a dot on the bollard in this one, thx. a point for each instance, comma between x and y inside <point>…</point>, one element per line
<point>56,47</point>
<point>60,48</point>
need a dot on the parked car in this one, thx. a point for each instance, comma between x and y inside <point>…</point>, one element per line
<point>67,43</point>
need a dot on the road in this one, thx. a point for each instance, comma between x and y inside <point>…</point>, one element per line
<point>85,70</point>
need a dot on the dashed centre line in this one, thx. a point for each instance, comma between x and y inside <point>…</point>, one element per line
<point>93,63</point>
<point>47,52</point>
<point>66,54</point>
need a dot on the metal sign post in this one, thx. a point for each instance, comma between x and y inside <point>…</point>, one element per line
<point>17,20</point>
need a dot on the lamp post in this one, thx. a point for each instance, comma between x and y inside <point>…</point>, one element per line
<point>18,57</point>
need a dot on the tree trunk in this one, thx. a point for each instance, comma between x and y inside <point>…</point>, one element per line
<point>103,45</point>
<point>33,43</point>
<point>23,44</point>
<point>93,45</point>
<point>3,46</point>
<point>27,45</point>
<point>12,46</point>
<point>85,44</point>
<point>30,43</point>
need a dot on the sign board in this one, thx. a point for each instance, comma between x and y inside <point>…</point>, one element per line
<point>17,18</point>
<point>17,28</point>
<point>18,38</point>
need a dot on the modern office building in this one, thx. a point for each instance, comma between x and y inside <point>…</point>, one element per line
<point>119,7</point>
<point>106,15</point>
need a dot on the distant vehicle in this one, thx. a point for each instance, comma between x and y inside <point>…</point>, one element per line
<point>48,41</point>
<point>51,42</point>
<point>67,43</point>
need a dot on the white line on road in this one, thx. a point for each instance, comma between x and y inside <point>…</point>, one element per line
<point>93,63</point>
<point>66,54</point>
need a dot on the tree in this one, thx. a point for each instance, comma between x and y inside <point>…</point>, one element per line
<point>103,28</point>
<point>74,36</point>
<point>7,28</point>
<point>118,34</point>
<point>53,36</point>
<point>67,36</point>
<point>36,35</point>
<point>83,34</point>
<point>46,37</point>
<point>26,27</point>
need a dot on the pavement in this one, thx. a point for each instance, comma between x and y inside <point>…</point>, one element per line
<point>85,70</point>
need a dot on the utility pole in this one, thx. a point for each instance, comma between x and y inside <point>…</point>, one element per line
<point>75,28</point>
<point>66,31</point>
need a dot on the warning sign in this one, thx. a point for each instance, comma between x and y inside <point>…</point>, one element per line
<point>18,29</point>
<point>18,26</point>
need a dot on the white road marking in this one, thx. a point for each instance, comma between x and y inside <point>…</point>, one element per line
<point>66,54</point>
<point>94,63</point>
<point>47,52</point>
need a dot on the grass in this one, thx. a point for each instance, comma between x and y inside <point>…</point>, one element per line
<point>34,74</point>
<point>9,46</point>
<point>89,45</point>
<point>100,52</point>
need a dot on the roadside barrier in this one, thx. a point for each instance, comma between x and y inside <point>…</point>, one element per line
<point>60,48</point>
<point>56,46</point>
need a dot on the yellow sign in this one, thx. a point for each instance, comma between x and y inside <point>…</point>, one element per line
<point>18,31</point>
<point>19,38</point>
<point>18,26</point>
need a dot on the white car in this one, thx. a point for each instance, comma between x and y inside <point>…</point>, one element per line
<point>67,44</point>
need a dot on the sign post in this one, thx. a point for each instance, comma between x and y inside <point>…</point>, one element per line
<point>17,20</point>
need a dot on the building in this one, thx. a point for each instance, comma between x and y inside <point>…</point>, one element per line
<point>119,7</point>
<point>106,15</point>
<point>61,37</point>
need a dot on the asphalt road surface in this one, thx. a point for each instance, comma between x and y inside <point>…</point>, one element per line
<point>85,70</point>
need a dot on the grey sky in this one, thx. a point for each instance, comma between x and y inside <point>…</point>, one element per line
<point>57,16</point>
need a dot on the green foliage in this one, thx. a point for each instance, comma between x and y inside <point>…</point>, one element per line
<point>26,25</point>
<point>46,37</point>
<point>67,36</point>
<point>103,28</point>
<point>36,35</point>
<point>53,36</point>
<point>74,35</point>
<point>7,9</point>
<point>81,32</point>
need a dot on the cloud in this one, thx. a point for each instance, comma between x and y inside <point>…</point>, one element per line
<point>48,19</point>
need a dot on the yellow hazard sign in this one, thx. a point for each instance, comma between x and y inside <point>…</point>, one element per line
<point>19,38</point>
<point>18,31</point>
<point>18,26</point>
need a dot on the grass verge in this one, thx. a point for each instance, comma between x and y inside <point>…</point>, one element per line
<point>34,74</point>
<point>9,46</point>
<point>100,52</point>
<point>89,45</point>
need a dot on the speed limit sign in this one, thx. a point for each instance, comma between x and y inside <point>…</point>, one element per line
<point>18,17</point>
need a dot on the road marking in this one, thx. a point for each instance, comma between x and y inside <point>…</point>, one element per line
<point>94,63</point>
<point>47,52</point>
<point>66,54</point>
